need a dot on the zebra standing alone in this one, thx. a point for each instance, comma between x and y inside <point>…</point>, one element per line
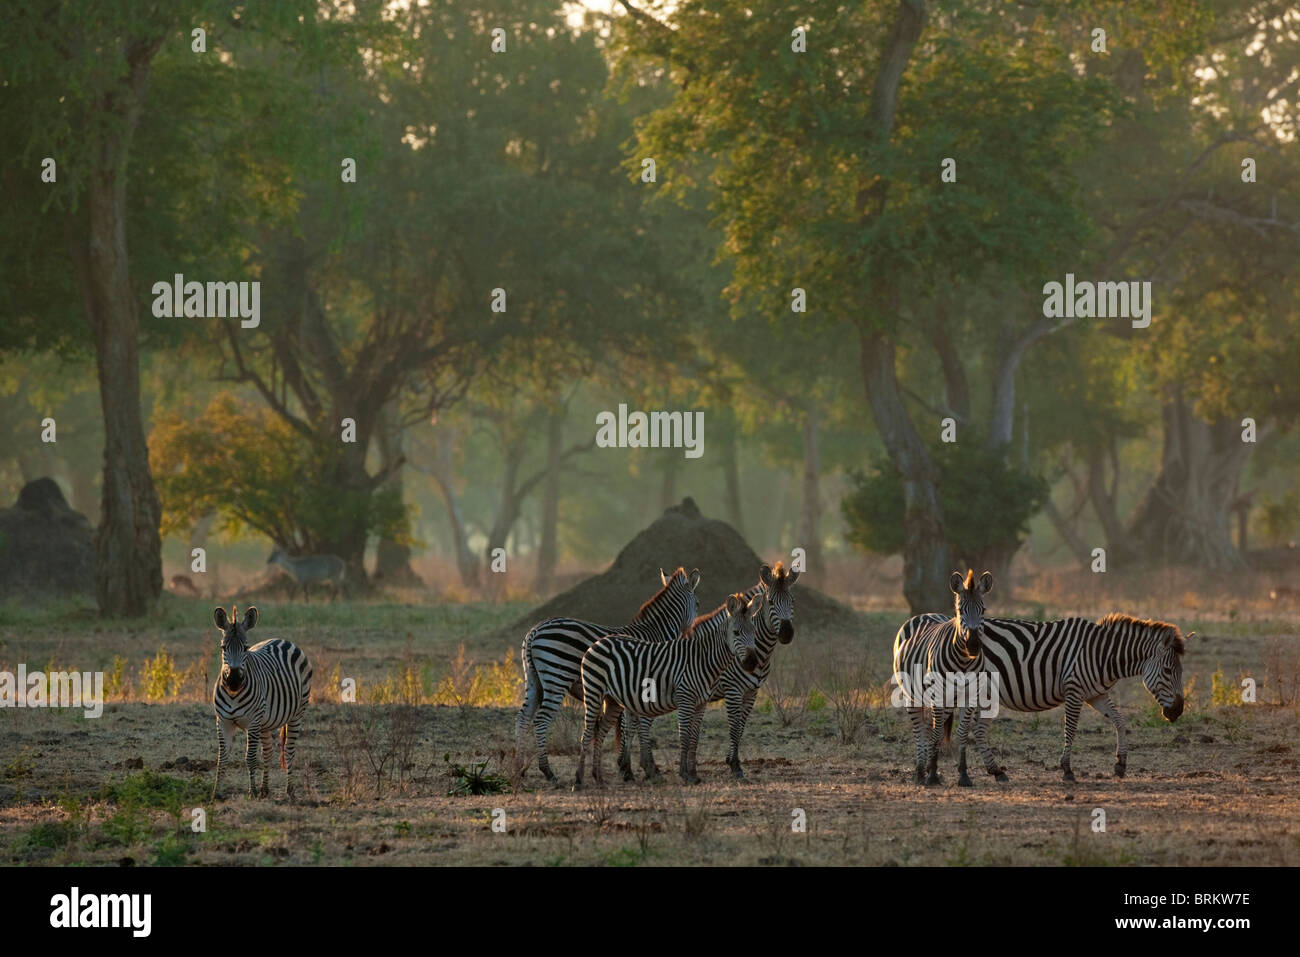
<point>261,689</point>
<point>650,678</point>
<point>738,687</point>
<point>944,647</point>
<point>1042,664</point>
<point>552,653</point>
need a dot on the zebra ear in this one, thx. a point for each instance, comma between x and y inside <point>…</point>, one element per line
<point>663,578</point>
<point>791,578</point>
<point>733,604</point>
<point>954,582</point>
<point>765,574</point>
<point>756,603</point>
<point>250,617</point>
<point>219,617</point>
<point>986,582</point>
<point>695,578</point>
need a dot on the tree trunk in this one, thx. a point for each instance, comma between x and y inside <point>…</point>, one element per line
<point>731,481</point>
<point>810,515</point>
<point>466,563</point>
<point>548,550</point>
<point>128,548</point>
<point>507,512</point>
<point>1081,552</point>
<point>925,549</point>
<point>393,559</point>
<point>1186,515</point>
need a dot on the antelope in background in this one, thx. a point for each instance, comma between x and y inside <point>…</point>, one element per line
<point>309,570</point>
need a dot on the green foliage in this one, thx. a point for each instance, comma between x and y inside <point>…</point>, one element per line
<point>261,475</point>
<point>986,501</point>
<point>474,779</point>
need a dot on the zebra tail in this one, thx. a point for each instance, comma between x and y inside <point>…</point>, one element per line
<point>947,728</point>
<point>284,737</point>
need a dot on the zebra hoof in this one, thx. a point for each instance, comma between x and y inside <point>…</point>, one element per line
<point>1068,776</point>
<point>1119,770</point>
<point>739,774</point>
<point>965,782</point>
<point>1001,776</point>
<point>932,780</point>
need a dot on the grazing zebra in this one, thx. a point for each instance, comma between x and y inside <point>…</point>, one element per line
<point>552,653</point>
<point>946,648</point>
<point>650,678</point>
<point>738,687</point>
<point>1042,664</point>
<point>261,689</point>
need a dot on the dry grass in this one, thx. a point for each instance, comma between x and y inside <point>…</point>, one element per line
<point>437,701</point>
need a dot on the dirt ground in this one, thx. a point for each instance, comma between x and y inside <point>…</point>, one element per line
<point>824,748</point>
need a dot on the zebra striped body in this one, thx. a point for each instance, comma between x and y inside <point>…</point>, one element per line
<point>649,678</point>
<point>1044,664</point>
<point>552,653</point>
<point>738,687</point>
<point>945,647</point>
<point>262,689</point>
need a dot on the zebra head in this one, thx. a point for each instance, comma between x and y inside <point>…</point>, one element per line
<point>677,595</point>
<point>234,645</point>
<point>742,627</point>
<point>968,616</point>
<point>1162,672</point>
<point>776,584</point>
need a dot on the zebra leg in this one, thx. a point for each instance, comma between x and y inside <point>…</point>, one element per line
<point>545,715</point>
<point>737,717</point>
<point>937,718</point>
<point>611,716</point>
<point>621,746</point>
<point>289,744</point>
<point>649,769</point>
<point>982,742</point>
<point>1073,704</point>
<point>688,736</point>
<point>1103,704</point>
<point>917,717</point>
<point>268,749</point>
<point>253,754</point>
<point>528,711</point>
<point>224,730</point>
<point>963,727</point>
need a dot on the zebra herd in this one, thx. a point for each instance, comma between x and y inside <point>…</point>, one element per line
<point>1038,665</point>
<point>666,659</point>
<point>669,658</point>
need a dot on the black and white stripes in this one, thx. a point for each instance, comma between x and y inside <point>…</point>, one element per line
<point>930,645</point>
<point>552,653</point>
<point>650,678</point>
<point>261,690</point>
<point>1043,664</point>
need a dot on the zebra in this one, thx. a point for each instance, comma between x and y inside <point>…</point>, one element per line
<point>738,687</point>
<point>261,689</point>
<point>650,678</point>
<point>945,647</point>
<point>552,653</point>
<point>1043,664</point>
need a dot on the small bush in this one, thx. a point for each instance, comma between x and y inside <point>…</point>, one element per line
<point>474,779</point>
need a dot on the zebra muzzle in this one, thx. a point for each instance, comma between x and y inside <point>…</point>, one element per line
<point>1173,712</point>
<point>750,661</point>
<point>234,679</point>
<point>785,631</point>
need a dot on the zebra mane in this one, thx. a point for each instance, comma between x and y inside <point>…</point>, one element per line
<point>640,614</point>
<point>1160,628</point>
